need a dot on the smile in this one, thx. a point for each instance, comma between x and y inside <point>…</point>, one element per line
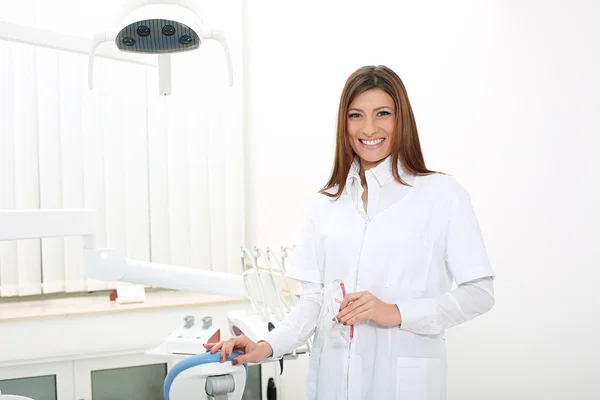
<point>374,142</point>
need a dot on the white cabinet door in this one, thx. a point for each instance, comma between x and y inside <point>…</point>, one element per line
<point>141,377</point>
<point>44,381</point>
<point>131,377</point>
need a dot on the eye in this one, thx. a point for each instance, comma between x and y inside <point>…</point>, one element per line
<point>383,113</point>
<point>354,115</point>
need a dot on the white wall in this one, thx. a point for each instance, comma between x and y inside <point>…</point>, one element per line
<point>504,94</point>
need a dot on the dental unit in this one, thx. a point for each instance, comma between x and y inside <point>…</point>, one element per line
<point>108,264</point>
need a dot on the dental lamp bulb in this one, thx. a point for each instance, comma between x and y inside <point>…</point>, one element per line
<point>159,29</point>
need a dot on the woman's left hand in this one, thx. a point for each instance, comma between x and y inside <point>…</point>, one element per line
<point>363,306</point>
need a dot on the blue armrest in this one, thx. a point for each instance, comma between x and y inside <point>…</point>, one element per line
<point>193,361</point>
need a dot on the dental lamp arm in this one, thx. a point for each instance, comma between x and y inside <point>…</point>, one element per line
<point>98,39</point>
<point>215,34</point>
<point>130,5</point>
<point>191,5</point>
<point>110,265</point>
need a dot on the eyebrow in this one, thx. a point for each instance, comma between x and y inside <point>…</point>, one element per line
<point>377,109</point>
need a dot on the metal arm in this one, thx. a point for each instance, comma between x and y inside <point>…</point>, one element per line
<point>110,264</point>
<point>131,5</point>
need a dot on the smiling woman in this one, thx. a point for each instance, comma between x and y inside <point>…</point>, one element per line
<point>371,124</point>
<point>375,120</point>
<point>381,248</point>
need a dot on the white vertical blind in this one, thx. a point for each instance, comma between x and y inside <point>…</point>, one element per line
<point>125,150</point>
<point>9,279</point>
<point>154,168</point>
<point>48,118</point>
<point>136,160</point>
<point>94,161</point>
<point>163,172</point>
<point>198,152</point>
<point>70,80</point>
<point>26,161</point>
<point>158,169</point>
<point>207,166</point>
<point>178,179</point>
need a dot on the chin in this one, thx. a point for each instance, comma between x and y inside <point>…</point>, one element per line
<point>373,158</point>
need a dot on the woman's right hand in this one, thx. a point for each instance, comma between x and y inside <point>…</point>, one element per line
<point>249,350</point>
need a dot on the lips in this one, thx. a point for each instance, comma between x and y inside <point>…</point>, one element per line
<point>371,142</point>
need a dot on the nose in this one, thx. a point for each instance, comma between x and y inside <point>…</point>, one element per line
<point>369,127</point>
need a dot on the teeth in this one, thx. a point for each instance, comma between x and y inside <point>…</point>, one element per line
<point>372,142</point>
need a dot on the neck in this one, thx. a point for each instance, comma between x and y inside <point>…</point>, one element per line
<point>367,165</point>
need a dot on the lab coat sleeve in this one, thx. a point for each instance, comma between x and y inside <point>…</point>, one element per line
<point>431,316</point>
<point>466,259</point>
<point>305,264</point>
<point>466,255</point>
<point>299,324</point>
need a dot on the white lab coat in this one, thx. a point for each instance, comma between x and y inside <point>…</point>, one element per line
<point>408,254</point>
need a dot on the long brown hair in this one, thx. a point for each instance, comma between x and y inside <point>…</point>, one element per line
<point>405,143</point>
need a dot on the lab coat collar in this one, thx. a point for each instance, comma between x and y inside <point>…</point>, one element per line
<point>382,172</point>
<point>354,169</point>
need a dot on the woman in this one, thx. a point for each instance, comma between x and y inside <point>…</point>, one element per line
<point>382,245</point>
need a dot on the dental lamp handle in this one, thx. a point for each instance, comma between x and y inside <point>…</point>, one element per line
<point>215,34</point>
<point>97,40</point>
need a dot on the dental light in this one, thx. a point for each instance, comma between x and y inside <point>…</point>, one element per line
<point>162,28</point>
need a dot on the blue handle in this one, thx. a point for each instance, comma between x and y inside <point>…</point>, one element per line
<point>192,361</point>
